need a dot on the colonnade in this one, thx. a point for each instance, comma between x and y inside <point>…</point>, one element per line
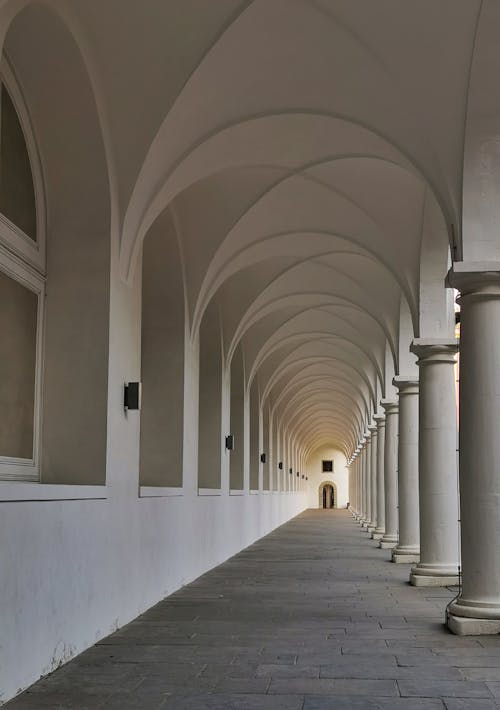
<point>408,472</point>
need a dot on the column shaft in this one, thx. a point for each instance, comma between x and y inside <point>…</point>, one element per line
<point>373,478</point>
<point>380,529</point>
<point>368,497</point>
<point>390,537</point>
<point>477,609</point>
<point>438,482</point>
<point>408,548</point>
<point>363,478</point>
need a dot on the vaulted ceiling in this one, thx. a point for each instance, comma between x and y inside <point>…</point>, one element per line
<point>311,154</point>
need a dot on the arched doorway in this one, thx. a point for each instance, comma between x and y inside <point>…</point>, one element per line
<point>327,495</point>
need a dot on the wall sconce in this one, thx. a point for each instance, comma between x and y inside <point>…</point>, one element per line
<point>298,474</point>
<point>132,395</point>
<point>280,465</point>
<point>229,442</point>
<point>307,478</point>
<point>290,471</point>
<point>303,476</point>
<point>263,458</point>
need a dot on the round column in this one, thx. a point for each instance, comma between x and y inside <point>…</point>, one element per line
<point>408,547</point>
<point>363,482</point>
<point>352,495</point>
<point>367,477</point>
<point>390,537</point>
<point>380,529</point>
<point>358,484</point>
<point>373,478</point>
<point>477,609</point>
<point>437,457</point>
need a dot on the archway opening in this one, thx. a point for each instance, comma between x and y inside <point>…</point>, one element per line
<point>327,495</point>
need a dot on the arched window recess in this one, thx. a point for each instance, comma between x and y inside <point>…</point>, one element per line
<point>22,284</point>
<point>22,195</point>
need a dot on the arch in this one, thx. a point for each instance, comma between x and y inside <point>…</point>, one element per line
<point>237,420</point>
<point>77,265</point>
<point>479,240</point>
<point>255,436</point>
<point>162,357</point>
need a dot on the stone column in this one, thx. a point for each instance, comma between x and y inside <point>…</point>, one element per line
<point>350,486</point>
<point>367,480</point>
<point>354,473</point>
<point>373,478</point>
<point>477,609</point>
<point>358,483</point>
<point>363,482</point>
<point>437,458</point>
<point>390,537</point>
<point>354,468</point>
<point>408,547</point>
<point>380,529</point>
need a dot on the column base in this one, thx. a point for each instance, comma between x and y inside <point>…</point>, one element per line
<point>434,575</point>
<point>378,533</point>
<point>370,529</point>
<point>387,544</point>
<point>405,554</point>
<point>466,617</point>
<point>466,626</point>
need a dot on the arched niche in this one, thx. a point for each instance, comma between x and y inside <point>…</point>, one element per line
<point>162,357</point>
<point>274,453</point>
<point>237,414</point>
<point>436,302</point>
<point>66,252</point>
<point>254,436</point>
<point>210,400</point>
<point>266,475</point>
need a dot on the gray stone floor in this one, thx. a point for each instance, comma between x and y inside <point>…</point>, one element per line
<point>311,617</point>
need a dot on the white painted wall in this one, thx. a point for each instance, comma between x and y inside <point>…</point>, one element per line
<point>72,571</point>
<point>340,476</point>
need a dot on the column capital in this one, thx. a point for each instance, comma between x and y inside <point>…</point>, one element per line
<point>478,279</point>
<point>432,350</point>
<point>406,384</point>
<point>391,406</point>
<point>372,428</point>
<point>380,419</point>
<point>367,435</point>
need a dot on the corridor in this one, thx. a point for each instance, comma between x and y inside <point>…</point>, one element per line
<point>311,617</point>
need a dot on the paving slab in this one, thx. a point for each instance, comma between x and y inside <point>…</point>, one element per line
<point>313,616</point>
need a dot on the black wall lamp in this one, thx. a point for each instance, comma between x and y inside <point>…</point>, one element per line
<point>298,474</point>
<point>132,395</point>
<point>280,465</point>
<point>229,442</point>
<point>263,458</point>
<point>290,471</point>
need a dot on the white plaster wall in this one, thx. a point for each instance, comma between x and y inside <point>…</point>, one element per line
<point>340,476</point>
<point>72,571</point>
